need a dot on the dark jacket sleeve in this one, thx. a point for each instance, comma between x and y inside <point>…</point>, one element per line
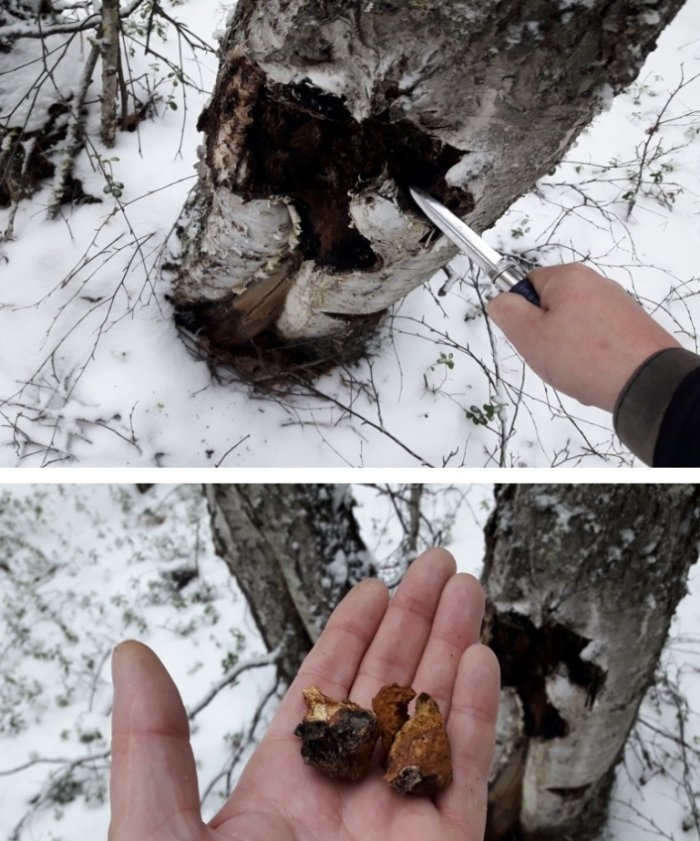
<point>657,414</point>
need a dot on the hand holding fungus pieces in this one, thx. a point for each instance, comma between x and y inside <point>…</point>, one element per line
<point>338,738</point>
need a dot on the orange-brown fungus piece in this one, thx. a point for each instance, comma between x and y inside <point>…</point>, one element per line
<point>337,737</point>
<point>419,759</point>
<point>390,705</point>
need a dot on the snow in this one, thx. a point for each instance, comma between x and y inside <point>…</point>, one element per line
<point>467,168</point>
<point>95,372</point>
<point>338,568</point>
<point>93,564</point>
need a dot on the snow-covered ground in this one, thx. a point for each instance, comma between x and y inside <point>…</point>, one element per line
<point>82,567</point>
<point>94,373</point>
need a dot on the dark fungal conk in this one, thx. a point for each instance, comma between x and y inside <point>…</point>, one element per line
<point>339,738</point>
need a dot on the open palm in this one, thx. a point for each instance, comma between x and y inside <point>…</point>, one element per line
<point>426,637</point>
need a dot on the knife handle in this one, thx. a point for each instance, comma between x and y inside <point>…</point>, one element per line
<point>525,288</point>
<point>511,278</point>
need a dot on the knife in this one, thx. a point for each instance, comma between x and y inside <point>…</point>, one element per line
<point>505,274</point>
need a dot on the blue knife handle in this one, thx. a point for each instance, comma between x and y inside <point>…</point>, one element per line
<point>527,290</point>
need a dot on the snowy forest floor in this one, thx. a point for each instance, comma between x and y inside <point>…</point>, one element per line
<point>92,565</point>
<point>94,372</point>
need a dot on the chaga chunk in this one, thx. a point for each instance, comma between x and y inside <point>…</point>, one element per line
<point>337,737</point>
<point>390,705</point>
<point>419,759</point>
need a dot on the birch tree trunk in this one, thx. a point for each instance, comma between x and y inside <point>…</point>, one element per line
<point>110,32</point>
<point>300,232</point>
<point>582,582</point>
<point>295,550</point>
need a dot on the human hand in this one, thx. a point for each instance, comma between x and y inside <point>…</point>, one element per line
<point>426,636</point>
<point>588,337</point>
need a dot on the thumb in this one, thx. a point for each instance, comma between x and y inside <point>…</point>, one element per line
<point>153,787</point>
<point>517,318</point>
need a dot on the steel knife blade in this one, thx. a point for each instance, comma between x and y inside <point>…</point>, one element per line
<point>505,274</point>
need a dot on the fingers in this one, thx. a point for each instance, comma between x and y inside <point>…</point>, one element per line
<point>153,784</point>
<point>519,320</point>
<point>516,317</point>
<point>471,728</point>
<point>335,658</point>
<point>456,627</point>
<point>396,651</point>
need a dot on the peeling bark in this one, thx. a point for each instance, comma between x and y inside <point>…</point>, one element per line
<point>582,582</point>
<point>300,232</point>
<point>295,550</point>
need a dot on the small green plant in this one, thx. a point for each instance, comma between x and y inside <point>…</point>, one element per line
<point>484,415</point>
<point>520,230</point>
<point>65,789</point>
<point>446,359</point>
<point>112,187</point>
<point>229,661</point>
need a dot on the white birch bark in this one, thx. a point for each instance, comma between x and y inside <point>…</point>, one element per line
<point>325,112</point>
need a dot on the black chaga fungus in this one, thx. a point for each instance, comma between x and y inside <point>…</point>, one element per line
<point>337,737</point>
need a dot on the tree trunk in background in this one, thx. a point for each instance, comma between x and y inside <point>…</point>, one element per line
<point>582,582</point>
<point>300,232</point>
<point>295,550</point>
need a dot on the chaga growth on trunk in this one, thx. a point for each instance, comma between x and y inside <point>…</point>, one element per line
<point>300,232</point>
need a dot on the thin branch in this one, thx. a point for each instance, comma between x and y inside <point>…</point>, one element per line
<point>229,678</point>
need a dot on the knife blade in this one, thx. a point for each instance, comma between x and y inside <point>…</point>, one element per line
<point>504,273</point>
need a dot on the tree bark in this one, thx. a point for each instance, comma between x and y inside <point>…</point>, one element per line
<point>109,50</point>
<point>295,550</point>
<point>300,232</point>
<point>582,582</point>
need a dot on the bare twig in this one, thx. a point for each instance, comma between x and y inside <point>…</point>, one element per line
<point>265,660</point>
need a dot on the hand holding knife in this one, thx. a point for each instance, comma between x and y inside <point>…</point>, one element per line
<point>508,276</point>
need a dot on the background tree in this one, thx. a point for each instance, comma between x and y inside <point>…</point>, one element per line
<point>300,232</point>
<point>582,583</point>
<point>295,551</point>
